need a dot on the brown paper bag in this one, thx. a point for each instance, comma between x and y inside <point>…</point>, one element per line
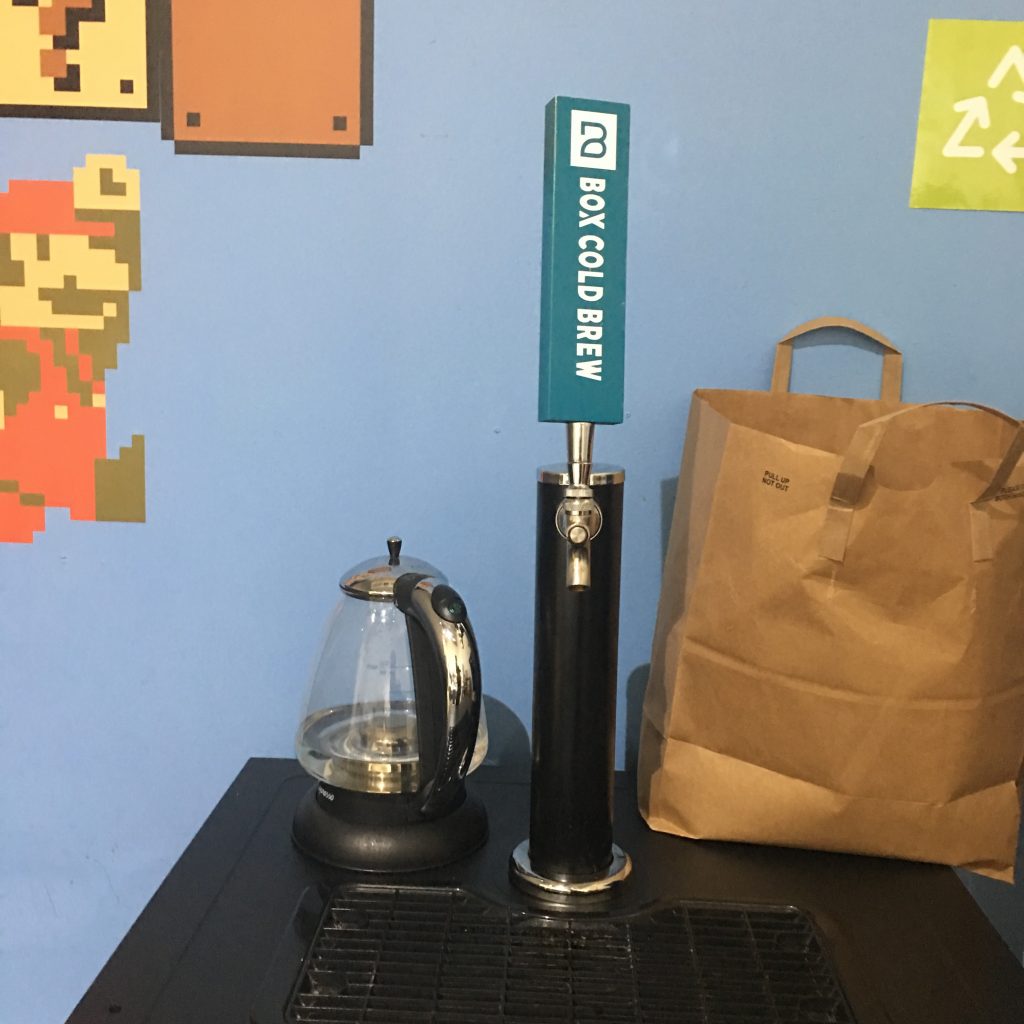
<point>838,660</point>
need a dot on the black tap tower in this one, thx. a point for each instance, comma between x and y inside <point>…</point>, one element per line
<point>570,850</point>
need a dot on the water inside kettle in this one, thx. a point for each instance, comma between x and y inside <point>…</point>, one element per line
<point>370,748</point>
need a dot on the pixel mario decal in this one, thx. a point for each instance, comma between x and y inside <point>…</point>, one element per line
<point>69,257</point>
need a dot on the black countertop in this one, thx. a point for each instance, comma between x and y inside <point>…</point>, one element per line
<point>909,943</point>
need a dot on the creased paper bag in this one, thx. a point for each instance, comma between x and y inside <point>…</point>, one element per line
<point>838,660</point>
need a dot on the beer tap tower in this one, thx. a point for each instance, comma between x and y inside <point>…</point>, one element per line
<point>569,853</point>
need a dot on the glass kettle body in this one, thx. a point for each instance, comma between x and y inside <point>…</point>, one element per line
<point>394,703</point>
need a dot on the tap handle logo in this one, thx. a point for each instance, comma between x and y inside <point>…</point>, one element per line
<point>593,140</point>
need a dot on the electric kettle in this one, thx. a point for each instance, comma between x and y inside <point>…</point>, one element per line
<point>393,723</point>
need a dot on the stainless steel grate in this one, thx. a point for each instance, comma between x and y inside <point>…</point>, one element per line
<point>442,956</point>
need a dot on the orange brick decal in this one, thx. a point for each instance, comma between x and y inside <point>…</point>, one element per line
<point>69,256</point>
<point>270,77</point>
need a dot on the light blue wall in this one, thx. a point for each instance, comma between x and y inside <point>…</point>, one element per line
<point>325,352</point>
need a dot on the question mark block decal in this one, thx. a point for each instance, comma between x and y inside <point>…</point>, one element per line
<point>270,77</point>
<point>78,58</point>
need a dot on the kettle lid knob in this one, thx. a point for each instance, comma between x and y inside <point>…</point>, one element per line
<point>394,549</point>
<point>374,579</point>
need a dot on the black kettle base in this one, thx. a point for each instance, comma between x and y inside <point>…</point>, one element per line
<point>388,846</point>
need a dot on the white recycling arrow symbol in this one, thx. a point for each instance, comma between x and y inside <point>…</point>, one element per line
<point>1007,152</point>
<point>975,111</point>
<point>1013,58</point>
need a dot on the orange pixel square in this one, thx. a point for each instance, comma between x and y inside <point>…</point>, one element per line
<point>267,77</point>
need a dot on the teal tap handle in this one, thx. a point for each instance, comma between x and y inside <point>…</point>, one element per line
<point>583,266</point>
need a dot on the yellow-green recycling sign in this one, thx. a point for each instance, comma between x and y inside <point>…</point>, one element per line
<point>969,152</point>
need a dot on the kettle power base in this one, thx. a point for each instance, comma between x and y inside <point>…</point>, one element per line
<point>388,844</point>
<point>444,956</point>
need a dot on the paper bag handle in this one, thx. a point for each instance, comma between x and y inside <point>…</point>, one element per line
<point>892,359</point>
<point>858,459</point>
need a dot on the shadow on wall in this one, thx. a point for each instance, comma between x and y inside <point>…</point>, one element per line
<point>508,743</point>
<point>668,506</point>
<point>636,685</point>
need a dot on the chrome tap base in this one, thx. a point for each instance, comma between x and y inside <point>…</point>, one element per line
<point>524,875</point>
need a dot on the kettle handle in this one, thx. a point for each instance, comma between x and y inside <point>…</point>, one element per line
<point>448,699</point>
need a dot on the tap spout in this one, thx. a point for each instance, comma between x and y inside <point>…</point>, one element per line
<point>577,569</point>
<point>578,519</point>
<point>579,516</point>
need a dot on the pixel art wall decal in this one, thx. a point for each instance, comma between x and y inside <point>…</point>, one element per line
<point>269,77</point>
<point>69,256</point>
<point>266,77</point>
<point>78,58</point>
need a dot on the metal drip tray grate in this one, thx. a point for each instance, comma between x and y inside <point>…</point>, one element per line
<point>443,956</point>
